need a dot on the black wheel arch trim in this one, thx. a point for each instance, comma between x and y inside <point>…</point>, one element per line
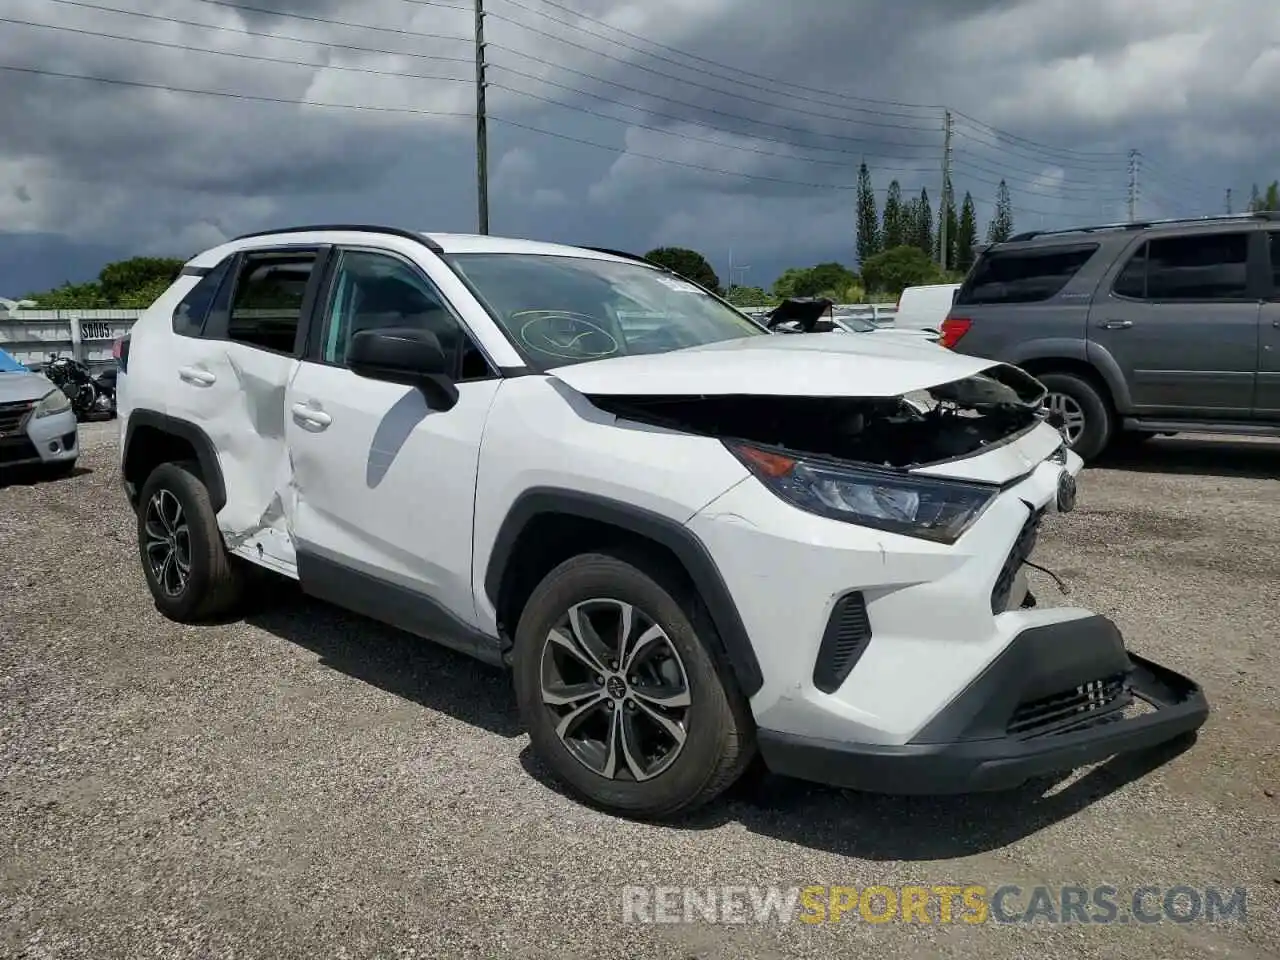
<point>676,537</point>
<point>206,452</point>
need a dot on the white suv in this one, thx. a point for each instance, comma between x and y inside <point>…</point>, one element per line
<point>691,540</point>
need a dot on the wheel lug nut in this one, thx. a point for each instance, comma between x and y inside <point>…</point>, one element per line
<point>613,664</point>
<point>631,705</point>
<point>633,681</point>
<point>599,681</point>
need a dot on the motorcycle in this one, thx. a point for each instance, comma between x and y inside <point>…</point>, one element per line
<point>92,396</point>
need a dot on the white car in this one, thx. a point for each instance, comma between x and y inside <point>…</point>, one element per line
<point>689,540</point>
<point>38,428</point>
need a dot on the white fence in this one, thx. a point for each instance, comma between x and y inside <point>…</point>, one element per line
<point>31,336</point>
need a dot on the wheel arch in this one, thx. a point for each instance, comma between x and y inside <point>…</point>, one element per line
<point>152,438</point>
<point>1083,369</point>
<point>546,525</point>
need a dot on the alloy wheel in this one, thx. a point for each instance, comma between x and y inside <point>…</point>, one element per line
<point>616,689</point>
<point>168,542</point>
<point>1066,414</point>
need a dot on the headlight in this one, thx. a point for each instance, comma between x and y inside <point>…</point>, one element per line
<point>924,507</point>
<point>55,401</point>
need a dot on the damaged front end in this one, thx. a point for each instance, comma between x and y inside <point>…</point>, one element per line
<point>855,459</point>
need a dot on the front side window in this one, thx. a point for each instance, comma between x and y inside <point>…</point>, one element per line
<point>268,300</point>
<point>373,291</point>
<point>561,310</point>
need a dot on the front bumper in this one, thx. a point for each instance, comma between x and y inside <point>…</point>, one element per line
<point>40,440</point>
<point>1062,695</point>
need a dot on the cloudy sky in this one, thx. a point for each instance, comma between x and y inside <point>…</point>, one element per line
<point>724,125</point>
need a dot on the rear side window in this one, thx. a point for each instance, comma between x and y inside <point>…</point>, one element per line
<point>268,300</point>
<point>1205,267</point>
<point>1023,276</point>
<point>190,313</point>
<point>1274,238</point>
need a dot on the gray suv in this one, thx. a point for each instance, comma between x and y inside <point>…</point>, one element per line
<point>1136,329</point>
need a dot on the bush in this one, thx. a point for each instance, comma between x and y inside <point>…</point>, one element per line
<point>894,270</point>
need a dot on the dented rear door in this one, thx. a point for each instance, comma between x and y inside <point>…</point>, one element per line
<point>231,381</point>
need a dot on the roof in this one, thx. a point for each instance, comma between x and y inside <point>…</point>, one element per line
<point>1086,233</point>
<point>459,243</point>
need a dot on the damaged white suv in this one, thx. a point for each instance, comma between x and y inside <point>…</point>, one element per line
<point>690,539</point>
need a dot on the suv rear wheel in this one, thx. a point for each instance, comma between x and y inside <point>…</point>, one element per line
<point>622,695</point>
<point>186,564</point>
<point>1079,412</point>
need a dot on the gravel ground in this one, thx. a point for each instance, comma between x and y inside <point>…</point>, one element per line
<point>301,783</point>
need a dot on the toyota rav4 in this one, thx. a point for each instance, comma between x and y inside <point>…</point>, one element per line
<point>691,540</point>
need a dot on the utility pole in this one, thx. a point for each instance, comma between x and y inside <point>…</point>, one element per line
<point>1133,185</point>
<point>482,133</point>
<point>1229,211</point>
<point>946,188</point>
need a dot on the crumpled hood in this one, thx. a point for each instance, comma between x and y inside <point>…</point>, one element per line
<point>797,365</point>
<point>15,387</point>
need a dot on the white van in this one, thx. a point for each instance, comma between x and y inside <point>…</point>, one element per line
<point>924,307</point>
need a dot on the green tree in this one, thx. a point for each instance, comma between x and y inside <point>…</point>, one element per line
<point>1001,226</point>
<point>750,297</point>
<point>868,219</point>
<point>72,296</point>
<point>825,279</point>
<point>894,232</point>
<point>127,278</point>
<point>922,228</point>
<point>892,271</point>
<point>688,263</point>
<point>966,235</point>
<point>1270,200</point>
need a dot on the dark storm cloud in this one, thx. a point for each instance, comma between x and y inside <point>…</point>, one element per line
<point>1189,86</point>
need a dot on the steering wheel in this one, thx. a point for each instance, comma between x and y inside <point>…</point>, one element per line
<point>565,335</point>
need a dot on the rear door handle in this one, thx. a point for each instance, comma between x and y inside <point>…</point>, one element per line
<point>201,378</point>
<point>310,416</point>
<point>1116,324</point>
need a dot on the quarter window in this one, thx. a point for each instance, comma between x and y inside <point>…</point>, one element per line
<point>1274,237</point>
<point>373,291</point>
<point>1023,276</point>
<point>1202,267</point>
<point>268,300</point>
<point>189,315</point>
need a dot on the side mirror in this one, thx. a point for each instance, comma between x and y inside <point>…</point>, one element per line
<point>406,355</point>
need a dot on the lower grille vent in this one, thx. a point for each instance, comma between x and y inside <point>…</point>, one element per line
<point>1093,703</point>
<point>843,642</point>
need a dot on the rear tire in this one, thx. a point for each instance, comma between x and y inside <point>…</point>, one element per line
<point>1080,398</point>
<point>188,569</point>
<point>622,750</point>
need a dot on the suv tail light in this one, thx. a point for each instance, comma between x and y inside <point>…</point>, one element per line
<point>120,352</point>
<point>953,328</point>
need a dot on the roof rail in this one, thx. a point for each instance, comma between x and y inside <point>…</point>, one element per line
<point>348,227</point>
<point>1143,224</point>
<point>625,256</point>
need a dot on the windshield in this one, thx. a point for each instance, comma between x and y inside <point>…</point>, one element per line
<point>563,310</point>
<point>9,365</point>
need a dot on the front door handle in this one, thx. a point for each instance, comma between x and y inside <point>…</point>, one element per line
<point>310,416</point>
<point>197,376</point>
<point>1116,324</point>
<point>1276,324</point>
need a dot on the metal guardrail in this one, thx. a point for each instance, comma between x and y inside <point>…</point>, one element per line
<point>32,335</point>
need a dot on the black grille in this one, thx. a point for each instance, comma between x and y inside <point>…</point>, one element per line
<point>843,642</point>
<point>13,416</point>
<point>1088,705</point>
<point>16,450</point>
<point>1021,551</point>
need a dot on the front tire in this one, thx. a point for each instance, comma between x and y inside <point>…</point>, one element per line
<point>1080,412</point>
<point>188,570</point>
<point>622,692</point>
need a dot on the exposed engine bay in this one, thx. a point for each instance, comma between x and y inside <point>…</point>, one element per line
<point>945,422</point>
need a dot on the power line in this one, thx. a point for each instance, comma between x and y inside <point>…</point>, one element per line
<point>774,81</point>
<point>1004,134</point>
<point>99,35</point>
<point>264,36</point>
<point>981,137</point>
<point>243,8</point>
